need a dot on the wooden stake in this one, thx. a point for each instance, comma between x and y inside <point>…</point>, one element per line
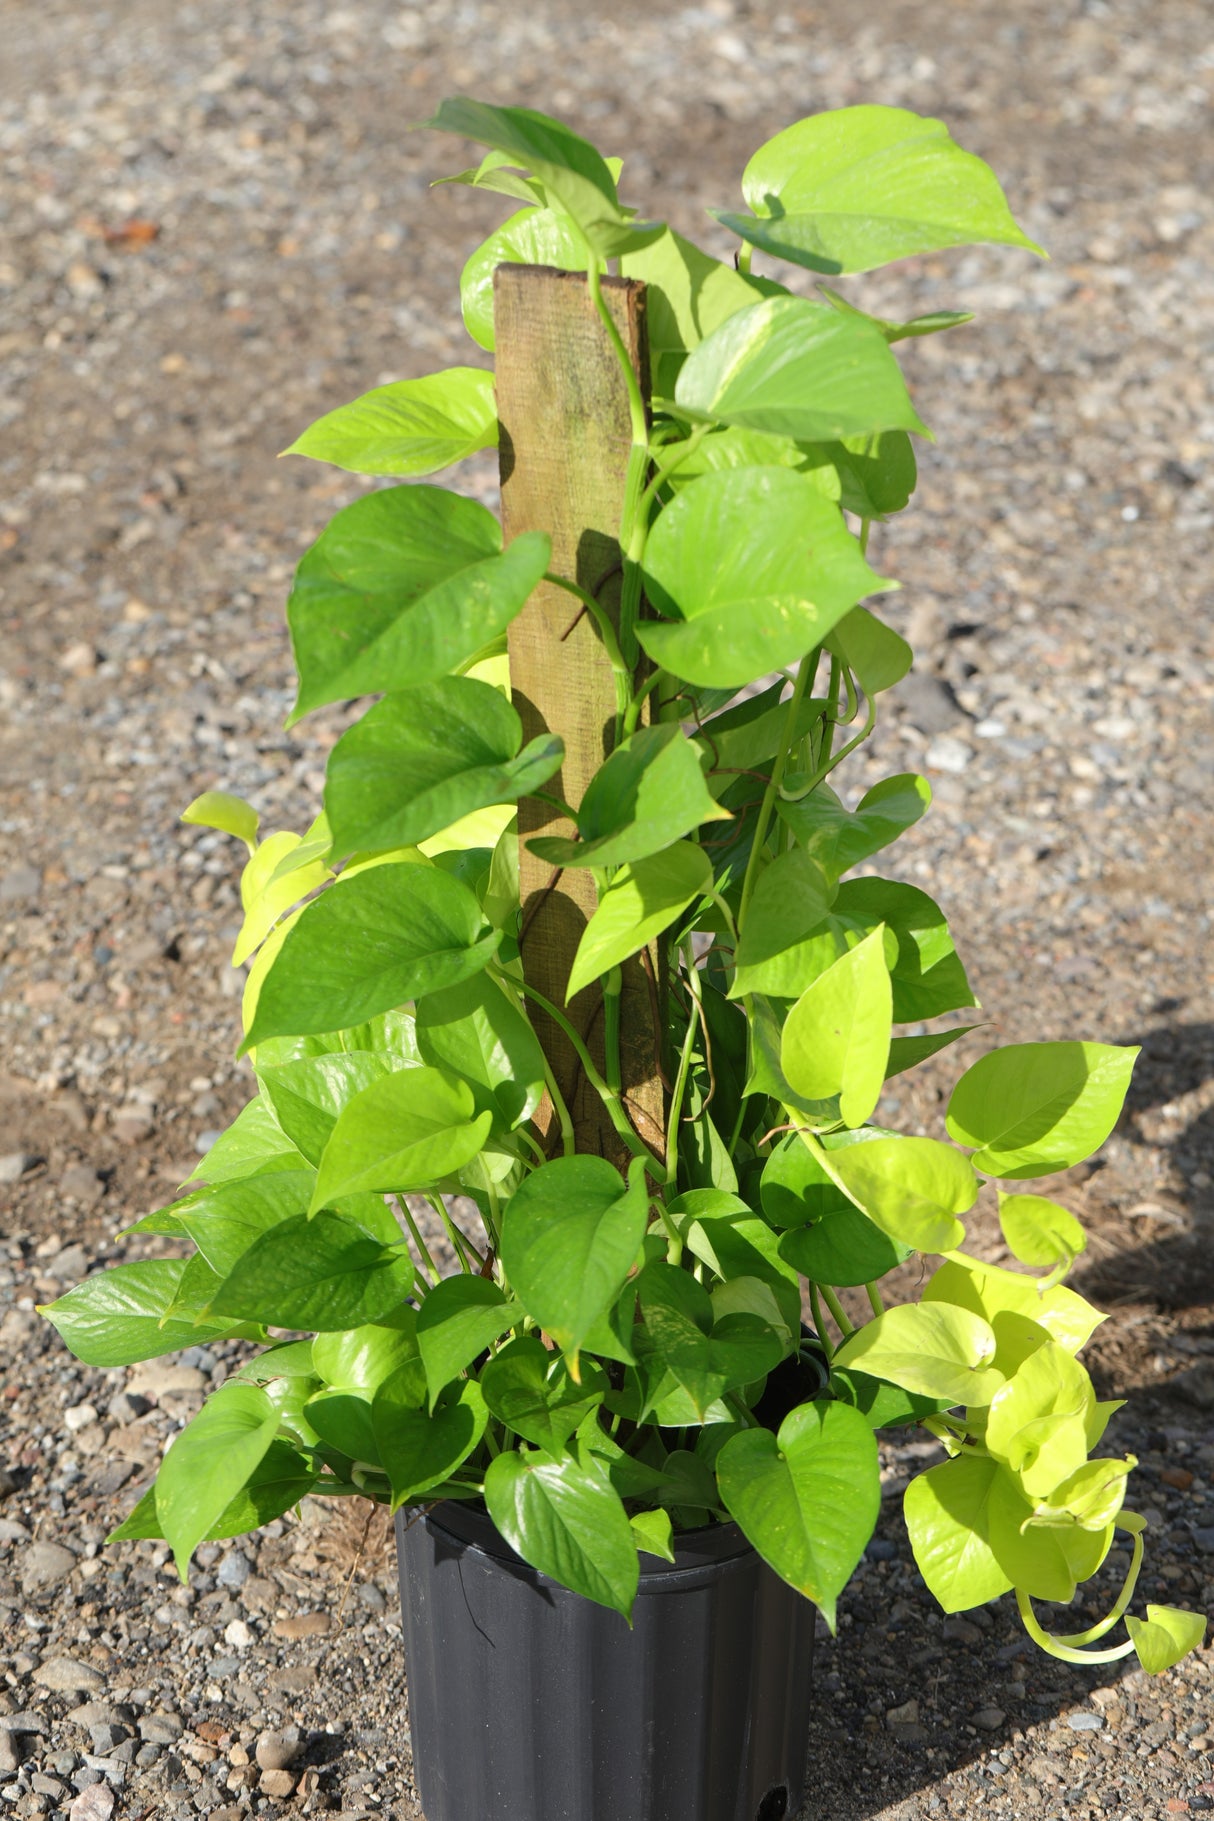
<point>565,440</point>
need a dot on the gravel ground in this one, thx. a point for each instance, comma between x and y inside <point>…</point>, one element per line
<point>214,227</point>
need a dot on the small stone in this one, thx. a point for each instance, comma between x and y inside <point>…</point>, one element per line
<point>80,1416</point>
<point>928,703</point>
<point>45,1565</point>
<point>105,1737</point>
<point>880,1549</point>
<point>239,1635</point>
<point>8,1483</point>
<point>1203,1536</point>
<point>13,1165</point>
<point>906,1715</point>
<point>132,1125</point>
<point>97,1713</point>
<point>161,1728</point>
<point>294,1679</point>
<point>81,1182</point>
<point>147,1755</point>
<point>96,1803</point>
<point>127,1407</point>
<point>307,1625</point>
<point>234,1570</point>
<point>13,1532</point>
<point>989,1718</point>
<point>12,1752</point>
<point>1178,1477</point>
<point>67,1674</point>
<point>22,1722</point>
<point>945,754</point>
<point>158,1376</point>
<point>1085,1722</point>
<point>79,660</point>
<point>280,1783</point>
<point>960,1631</point>
<point>18,883</point>
<point>48,1786</point>
<point>279,1750</point>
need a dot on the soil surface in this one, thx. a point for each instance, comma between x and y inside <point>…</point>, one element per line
<point>214,227</point>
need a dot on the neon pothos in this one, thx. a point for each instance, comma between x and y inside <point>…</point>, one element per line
<point>621,1354</point>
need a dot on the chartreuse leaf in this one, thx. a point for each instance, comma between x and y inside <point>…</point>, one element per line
<point>649,793</point>
<point>931,324</point>
<point>947,1512</point>
<point>366,945</point>
<point>857,187</point>
<point>208,1464</point>
<point>324,1272</point>
<point>404,1132</point>
<point>117,1317</point>
<point>688,295</point>
<point>908,1052</point>
<point>877,656</point>
<point>767,1077</point>
<point>840,839</point>
<point>573,174</point>
<point>1040,1232</point>
<point>402,587</point>
<point>806,1498</point>
<point>912,1188</point>
<point>281,1478</point>
<point>473,1031</point>
<point>269,885</point>
<point>797,368</point>
<point>459,1318</point>
<point>566,1519</point>
<point>926,973</point>
<point>832,1241</point>
<point>652,1533</point>
<point>570,1235</point>
<point>254,1143</point>
<point>793,895</point>
<point>414,426</point>
<point>884,1406</point>
<point>740,597</point>
<point>230,815</point>
<point>533,1393</point>
<point>687,1341</point>
<point>1045,1561</point>
<point>1037,1421</point>
<point>361,1359</point>
<point>1032,1108</point>
<point>836,1037</point>
<point>643,899</point>
<point>421,760</point>
<point>930,1348</point>
<point>989,1291</point>
<point>309,1095</point>
<point>1167,1634</point>
<point>1091,1497</point>
<point>533,237</point>
<point>421,1449</point>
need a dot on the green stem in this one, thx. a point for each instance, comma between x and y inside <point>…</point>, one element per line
<point>805,672</point>
<point>609,1097</point>
<point>632,714</point>
<point>744,1416</point>
<point>866,525</point>
<point>459,1239</point>
<point>1123,1599</point>
<point>678,455</point>
<point>674,1250</point>
<point>836,1308</point>
<point>1054,1647</point>
<point>494,1218</point>
<point>418,1241</point>
<point>636,403</point>
<point>613,986</point>
<point>568,1140</point>
<point>815,1306</point>
<point>600,616</point>
<point>874,1299</point>
<point>684,1069</point>
<point>745,254</point>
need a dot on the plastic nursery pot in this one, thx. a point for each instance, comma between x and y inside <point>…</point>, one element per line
<point>531,1703</point>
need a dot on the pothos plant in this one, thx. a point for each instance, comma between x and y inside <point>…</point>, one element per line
<point>620,1355</point>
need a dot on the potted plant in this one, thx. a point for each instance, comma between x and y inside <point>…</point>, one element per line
<point>643,1030</point>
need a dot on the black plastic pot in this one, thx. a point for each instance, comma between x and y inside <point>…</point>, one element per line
<point>529,1703</point>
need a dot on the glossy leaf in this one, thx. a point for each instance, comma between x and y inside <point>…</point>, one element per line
<point>324,1273</point>
<point>643,899</point>
<point>404,1132</point>
<point>421,760</point>
<point>269,885</point>
<point>421,1449</point>
<point>402,587</point>
<point>947,1513</point>
<point>793,895</point>
<point>224,1221</point>
<point>807,1498</point>
<point>840,839</point>
<point>361,1359</point>
<point>649,793</point>
<point>925,970</point>
<point>1040,1232</point>
<point>1165,1636</point>
<point>688,295</point>
<point>532,1392</point>
<point>908,1052</point>
<point>1091,1497</point>
<point>931,324</point>
<point>533,237</point>
<point>473,1031</point>
<point>912,1188</point>
<point>570,1235</point>
<point>208,1464</point>
<point>458,1319</point>
<point>988,1291</point>
<point>740,597</point>
<point>254,1142</point>
<point>573,174</point>
<point>118,1317</point>
<point>836,1037</point>
<point>230,815</point>
<point>749,734</point>
<point>687,1339</point>
<point>309,1095</point>
<point>930,1348</point>
<point>853,189</point>
<point>877,656</point>
<point>414,426</point>
<point>281,1478</point>
<point>1033,1108</point>
<point>797,368</point>
<point>1037,1421</point>
<point>368,944</point>
<point>652,1533</point>
<point>567,1520</point>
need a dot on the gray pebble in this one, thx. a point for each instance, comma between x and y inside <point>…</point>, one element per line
<point>45,1565</point>
<point>1204,1539</point>
<point>161,1728</point>
<point>68,1674</point>
<point>279,1750</point>
<point>990,1719</point>
<point>18,883</point>
<point>234,1570</point>
<point>1085,1722</point>
<point>13,1165</point>
<point>12,1753</point>
<point>880,1549</point>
